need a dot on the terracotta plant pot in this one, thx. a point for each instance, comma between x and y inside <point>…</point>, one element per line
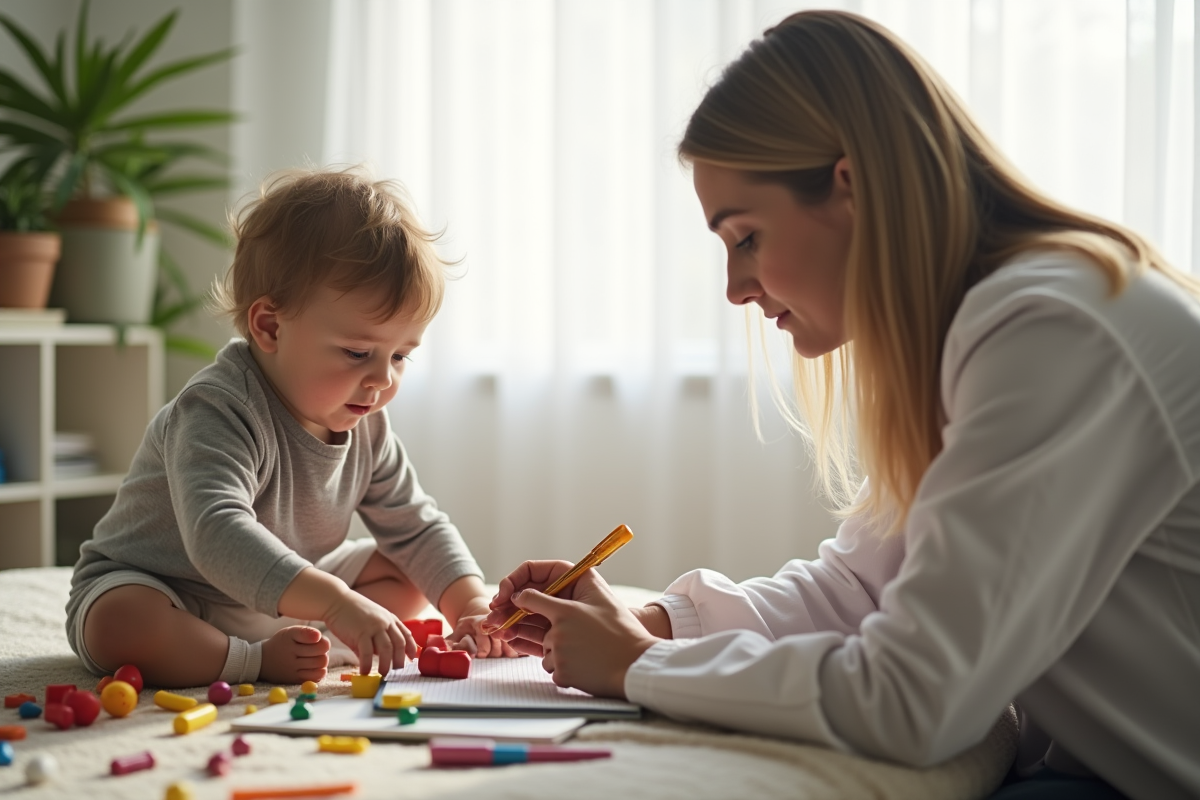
<point>105,274</point>
<point>27,267</point>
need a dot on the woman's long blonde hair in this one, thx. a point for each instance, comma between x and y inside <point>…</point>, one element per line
<point>937,208</point>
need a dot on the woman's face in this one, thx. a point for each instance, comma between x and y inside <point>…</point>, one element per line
<point>787,256</point>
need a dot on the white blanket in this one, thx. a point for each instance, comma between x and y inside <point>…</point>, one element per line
<point>655,758</point>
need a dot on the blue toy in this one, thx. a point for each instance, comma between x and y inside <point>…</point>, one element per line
<point>29,710</point>
<point>6,754</point>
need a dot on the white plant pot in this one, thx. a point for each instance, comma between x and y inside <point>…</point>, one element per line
<point>104,275</point>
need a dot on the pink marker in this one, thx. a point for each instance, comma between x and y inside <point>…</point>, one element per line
<point>485,753</point>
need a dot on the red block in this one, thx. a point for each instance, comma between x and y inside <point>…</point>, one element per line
<point>455,664</point>
<point>127,764</point>
<point>422,629</point>
<point>131,675</point>
<point>219,764</point>
<point>86,706</point>
<point>437,641</point>
<point>15,700</point>
<point>428,663</point>
<point>57,692</point>
<point>60,715</point>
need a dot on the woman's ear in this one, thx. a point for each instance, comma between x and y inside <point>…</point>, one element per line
<point>262,322</point>
<point>843,184</point>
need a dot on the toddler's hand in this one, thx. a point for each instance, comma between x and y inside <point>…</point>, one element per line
<point>370,630</point>
<point>484,646</point>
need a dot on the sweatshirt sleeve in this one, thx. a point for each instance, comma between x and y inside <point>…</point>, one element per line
<point>407,524</point>
<point>214,449</point>
<point>1057,461</point>
<point>832,593</point>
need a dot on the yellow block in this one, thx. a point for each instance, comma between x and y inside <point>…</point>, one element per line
<point>174,702</point>
<point>195,718</point>
<point>179,791</point>
<point>308,687</point>
<point>277,695</point>
<point>343,744</point>
<point>250,710</point>
<point>402,699</point>
<point>365,686</point>
<point>245,689</point>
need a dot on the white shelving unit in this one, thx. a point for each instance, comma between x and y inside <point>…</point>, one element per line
<point>69,378</point>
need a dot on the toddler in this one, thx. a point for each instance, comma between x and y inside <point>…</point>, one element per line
<point>227,542</point>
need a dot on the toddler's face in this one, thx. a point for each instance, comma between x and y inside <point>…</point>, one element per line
<point>335,362</point>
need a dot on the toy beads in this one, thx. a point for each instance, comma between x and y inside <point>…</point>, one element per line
<point>219,693</point>
<point>174,702</point>
<point>134,763</point>
<point>119,698</point>
<point>195,718</point>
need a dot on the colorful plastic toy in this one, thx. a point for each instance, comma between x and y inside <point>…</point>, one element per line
<point>309,687</point>
<point>219,693</point>
<point>55,692</point>
<point>134,763</point>
<point>12,733</point>
<point>356,745</point>
<point>300,711</point>
<point>422,629</point>
<point>219,764</point>
<point>240,746</point>
<point>15,700</point>
<point>105,681</point>
<point>61,715</point>
<point>41,768</point>
<point>269,793</point>
<point>438,642</point>
<point>365,686</point>
<point>29,710</point>
<point>408,715</point>
<point>308,697</point>
<point>7,754</point>
<point>400,700</point>
<point>131,675</point>
<point>174,702</point>
<point>179,791</point>
<point>86,706</point>
<point>277,695</point>
<point>195,718</point>
<point>245,689</point>
<point>435,663</point>
<point>250,709</point>
<point>119,698</point>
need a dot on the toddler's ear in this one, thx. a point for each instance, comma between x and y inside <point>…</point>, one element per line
<point>262,319</point>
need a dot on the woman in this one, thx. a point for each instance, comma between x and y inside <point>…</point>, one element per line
<point>1025,387</point>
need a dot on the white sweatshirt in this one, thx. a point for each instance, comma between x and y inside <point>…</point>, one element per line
<point>1051,557</point>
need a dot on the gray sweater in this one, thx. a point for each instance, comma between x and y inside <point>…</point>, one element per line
<point>229,498</point>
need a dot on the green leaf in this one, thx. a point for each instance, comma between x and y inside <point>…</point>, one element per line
<point>135,192</point>
<point>23,134</point>
<point>196,226</point>
<point>175,68</point>
<point>170,267</point>
<point>49,72</point>
<point>165,316</point>
<point>82,64</point>
<point>146,47</point>
<point>188,345</point>
<point>94,93</point>
<point>69,180</point>
<point>17,96</point>
<point>186,183</point>
<point>174,119</point>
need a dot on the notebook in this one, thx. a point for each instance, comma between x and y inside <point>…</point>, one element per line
<point>346,716</point>
<point>502,687</point>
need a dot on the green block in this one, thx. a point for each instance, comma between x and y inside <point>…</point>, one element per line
<point>308,697</point>
<point>300,711</point>
<point>408,715</point>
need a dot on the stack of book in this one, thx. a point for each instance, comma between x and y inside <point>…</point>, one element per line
<point>74,455</point>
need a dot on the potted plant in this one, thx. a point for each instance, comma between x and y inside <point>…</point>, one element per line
<point>28,249</point>
<point>105,171</point>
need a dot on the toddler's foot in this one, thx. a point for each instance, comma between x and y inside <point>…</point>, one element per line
<point>294,655</point>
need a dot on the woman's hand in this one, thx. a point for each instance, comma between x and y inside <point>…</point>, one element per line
<point>468,634</point>
<point>587,640</point>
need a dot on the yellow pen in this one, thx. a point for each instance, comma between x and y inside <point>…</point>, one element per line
<point>609,545</point>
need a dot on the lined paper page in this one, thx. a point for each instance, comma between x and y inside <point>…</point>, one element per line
<point>499,683</point>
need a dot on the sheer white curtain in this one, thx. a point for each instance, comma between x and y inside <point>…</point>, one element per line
<point>586,369</point>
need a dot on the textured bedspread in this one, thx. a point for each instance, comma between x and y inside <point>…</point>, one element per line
<point>655,758</point>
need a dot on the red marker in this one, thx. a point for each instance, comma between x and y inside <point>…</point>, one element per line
<point>486,753</point>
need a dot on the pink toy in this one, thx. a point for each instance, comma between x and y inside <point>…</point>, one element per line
<point>219,764</point>
<point>436,663</point>
<point>422,629</point>
<point>220,693</point>
<point>240,747</point>
<point>86,706</point>
<point>138,761</point>
<point>60,715</point>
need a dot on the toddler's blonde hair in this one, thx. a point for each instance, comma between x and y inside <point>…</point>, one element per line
<point>313,228</point>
